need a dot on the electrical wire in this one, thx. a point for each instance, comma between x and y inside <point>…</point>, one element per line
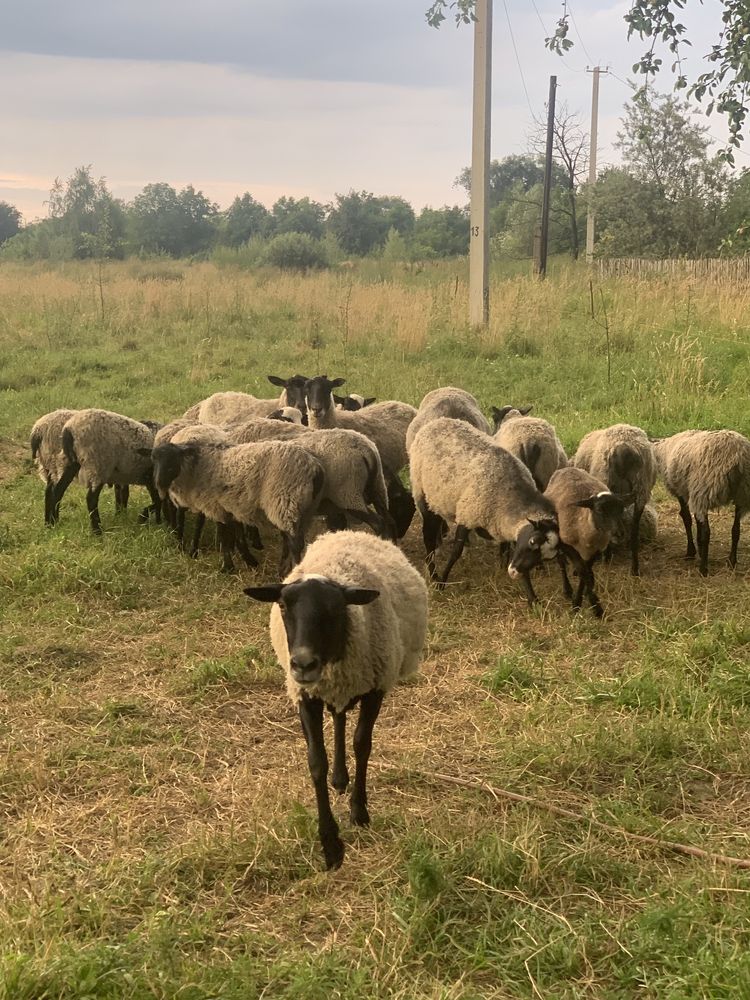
<point>518,61</point>
<point>580,38</point>
<point>566,64</point>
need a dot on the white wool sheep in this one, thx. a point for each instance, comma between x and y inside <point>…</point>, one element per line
<point>47,453</point>
<point>706,470</point>
<point>460,475</point>
<point>532,440</point>
<point>347,624</point>
<point>622,457</point>
<point>102,447</point>
<point>228,407</point>
<point>447,402</point>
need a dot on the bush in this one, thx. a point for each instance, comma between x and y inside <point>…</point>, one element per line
<point>296,252</point>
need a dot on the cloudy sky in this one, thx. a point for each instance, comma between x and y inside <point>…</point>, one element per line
<point>286,96</point>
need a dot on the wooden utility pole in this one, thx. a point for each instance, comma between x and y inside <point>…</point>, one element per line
<point>590,218</point>
<point>479,245</point>
<point>542,269</point>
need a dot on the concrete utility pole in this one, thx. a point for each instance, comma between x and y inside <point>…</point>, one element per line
<point>479,245</point>
<point>592,162</point>
<point>547,176</point>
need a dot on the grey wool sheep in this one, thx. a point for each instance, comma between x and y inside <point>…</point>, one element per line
<point>532,440</point>
<point>623,458</point>
<point>447,402</point>
<point>588,514</point>
<point>460,475</point>
<point>227,407</point>
<point>352,466</point>
<point>347,624</point>
<point>276,480</point>
<point>100,448</point>
<point>385,424</point>
<point>706,470</point>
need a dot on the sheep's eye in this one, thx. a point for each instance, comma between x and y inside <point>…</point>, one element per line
<point>533,543</point>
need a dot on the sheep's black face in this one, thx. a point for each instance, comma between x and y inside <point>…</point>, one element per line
<point>318,396</point>
<point>315,619</point>
<point>167,459</point>
<point>537,541</point>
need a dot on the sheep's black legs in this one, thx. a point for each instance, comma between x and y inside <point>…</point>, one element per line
<point>704,537</point>
<point>687,520</point>
<point>400,504</point>
<point>530,594</point>
<point>197,532</point>
<point>735,537</point>
<point>567,589</point>
<point>596,605</point>
<point>459,541</point>
<point>226,544</point>
<point>122,495</point>
<point>340,775</point>
<point>92,503</point>
<point>635,538</point>
<point>241,542</point>
<point>155,505</point>
<point>49,503</point>
<point>433,528</point>
<point>311,717</point>
<point>368,712</point>
<point>69,474</point>
<point>291,550</point>
<point>253,537</point>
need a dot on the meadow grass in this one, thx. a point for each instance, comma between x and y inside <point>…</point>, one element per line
<point>158,826</point>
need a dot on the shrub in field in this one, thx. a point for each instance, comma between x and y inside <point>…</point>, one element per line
<point>295,252</point>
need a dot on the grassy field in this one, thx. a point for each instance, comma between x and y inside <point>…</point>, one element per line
<point>158,827</point>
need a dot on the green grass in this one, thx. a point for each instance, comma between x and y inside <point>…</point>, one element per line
<point>159,833</point>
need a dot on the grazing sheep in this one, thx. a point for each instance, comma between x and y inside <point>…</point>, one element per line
<point>348,623</point>
<point>354,473</point>
<point>532,440</point>
<point>649,527</point>
<point>385,424</point>
<point>588,515</point>
<point>289,414</point>
<point>706,470</point>
<point>100,448</point>
<point>460,475</point>
<point>228,407</point>
<point>622,457</point>
<point>228,483</point>
<point>353,402</point>
<point>447,402</point>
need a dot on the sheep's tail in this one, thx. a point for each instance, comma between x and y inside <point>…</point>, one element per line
<point>530,455</point>
<point>68,447</point>
<point>36,443</point>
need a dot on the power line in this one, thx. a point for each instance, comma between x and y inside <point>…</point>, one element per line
<point>580,38</point>
<point>518,61</point>
<point>567,65</point>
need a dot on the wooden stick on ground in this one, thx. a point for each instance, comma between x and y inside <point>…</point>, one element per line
<point>502,793</point>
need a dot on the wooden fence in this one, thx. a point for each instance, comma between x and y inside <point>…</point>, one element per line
<point>731,270</point>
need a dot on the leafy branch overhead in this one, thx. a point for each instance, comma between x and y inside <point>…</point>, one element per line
<point>725,83</point>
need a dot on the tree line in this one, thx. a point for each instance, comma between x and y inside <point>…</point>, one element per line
<point>670,196</point>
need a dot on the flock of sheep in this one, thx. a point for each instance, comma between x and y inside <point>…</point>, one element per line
<point>350,617</point>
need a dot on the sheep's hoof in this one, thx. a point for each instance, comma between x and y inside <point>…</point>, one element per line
<point>340,782</point>
<point>359,814</point>
<point>690,555</point>
<point>333,852</point>
<point>703,570</point>
<point>598,611</point>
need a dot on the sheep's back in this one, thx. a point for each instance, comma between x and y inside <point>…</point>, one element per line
<point>447,402</point>
<point>107,444</point>
<point>46,443</point>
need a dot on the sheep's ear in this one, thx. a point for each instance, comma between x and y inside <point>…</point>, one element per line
<point>369,400</point>
<point>268,594</point>
<point>358,595</point>
<point>589,503</point>
<point>339,399</point>
<point>144,452</point>
<point>523,410</point>
<point>336,382</point>
<point>498,415</point>
<point>276,380</point>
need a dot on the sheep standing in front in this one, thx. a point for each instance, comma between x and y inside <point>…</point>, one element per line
<point>447,402</point>
<point>588,515</point>
<point>273,479</point>
<point>385,424</point>
<point>706,470</point>
<point>102,447</point>
<point>623,458</point>
<point>354,472</point>
<point>348,623</point>
<point>532,440</point>
<point>459,475</point>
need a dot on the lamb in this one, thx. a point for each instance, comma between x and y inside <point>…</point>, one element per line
<point>353,470</point>
<point>101,447</point>
<point>532,440</point>
<point>588,515</point>
<point>228,483</point>
<point>348,623</point>
<point>447,402</point>
<point>353,402</point>
<point>623,458</point>
<point>459,474</point>
<point>706,470</point>
<point>226,407</point>
<point>385,424</point>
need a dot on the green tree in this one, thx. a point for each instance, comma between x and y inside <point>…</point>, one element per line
<point>295,252</point>
<point>629,216</point>
<point>441,232</point>
<point>10,221</point>
<point>395,248</point>
<point>360,221</point>
<point>298,215</point>
<point>165,221</point>
<point>245,219</point>
<point>726,83</point>
<point>86,216</point>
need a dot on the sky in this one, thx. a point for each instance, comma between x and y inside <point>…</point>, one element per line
<point>290,97</point>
